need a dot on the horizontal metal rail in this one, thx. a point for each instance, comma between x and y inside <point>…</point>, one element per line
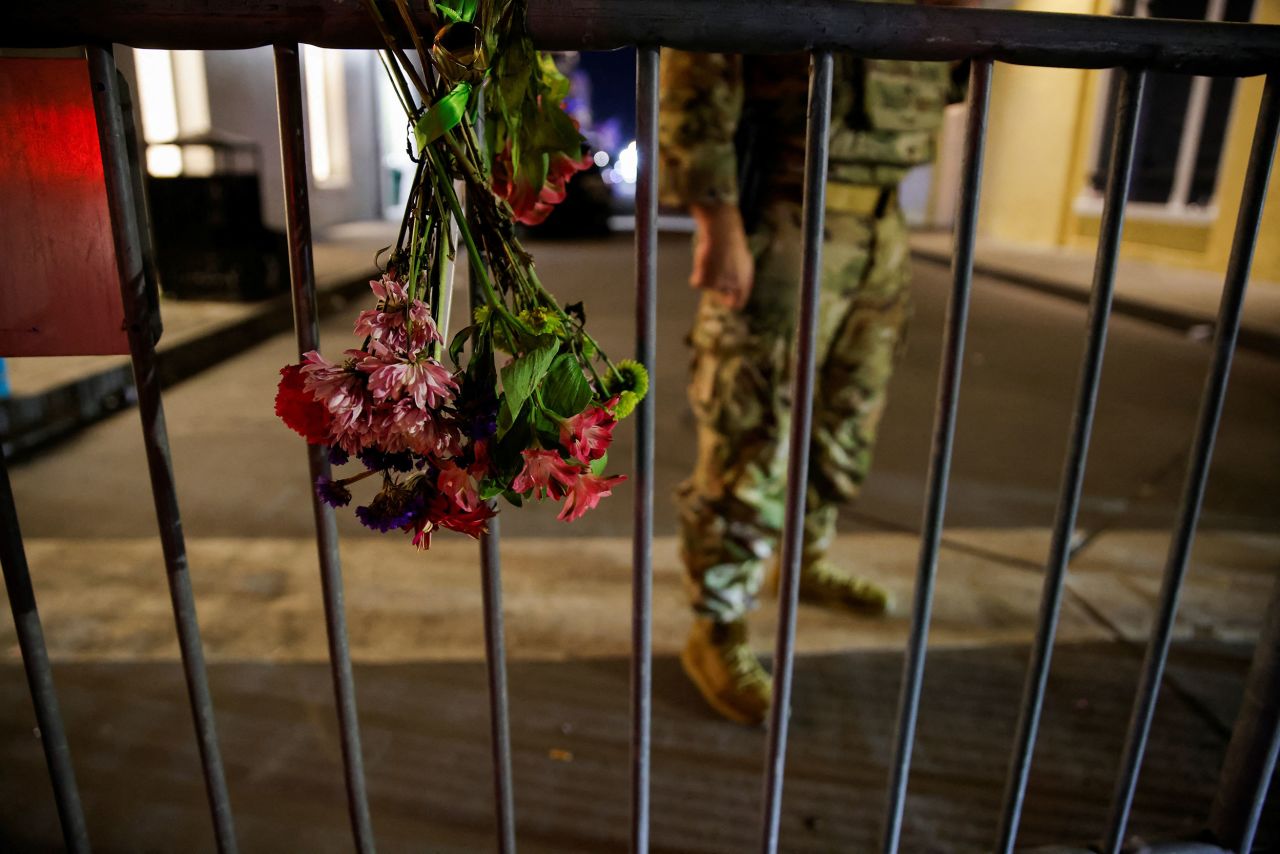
<point>889,31</point>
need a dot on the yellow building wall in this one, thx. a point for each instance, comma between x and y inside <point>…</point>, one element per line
<point>1266,262</point>
<point>1041,143</point>
<point>1031,144</point>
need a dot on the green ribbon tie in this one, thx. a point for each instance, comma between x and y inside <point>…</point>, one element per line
<point>443,116</point>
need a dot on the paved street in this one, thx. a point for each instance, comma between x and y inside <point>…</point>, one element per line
<point>415,619</point>
<point>240,473</point>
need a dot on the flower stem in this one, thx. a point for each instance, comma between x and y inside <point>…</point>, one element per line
<point>477,261</point>
<point>356,478</point>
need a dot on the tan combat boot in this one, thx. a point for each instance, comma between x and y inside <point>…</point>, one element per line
<point>725,670</point>
<point>822,584</point>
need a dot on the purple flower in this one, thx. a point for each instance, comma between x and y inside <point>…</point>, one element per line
<point>337,456</point>
<point>333,492</point>
<point>395,506</point>
<point>375,459</point>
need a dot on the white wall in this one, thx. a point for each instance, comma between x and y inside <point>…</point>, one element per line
<point>242,101</point>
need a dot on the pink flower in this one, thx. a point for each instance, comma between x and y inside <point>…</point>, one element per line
<point>424,332</point>
<point>389,291</point>
<point>458,484</point>
<point>341,390</point>
<point>585,493</point>
<point>427,381</point>
<point>546,472</point>
<point>385,327</point>
<point>588,434</point>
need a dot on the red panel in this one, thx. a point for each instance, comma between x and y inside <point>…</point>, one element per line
<point>59,285</point>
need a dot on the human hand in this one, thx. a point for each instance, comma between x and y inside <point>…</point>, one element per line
<point>722,262</point>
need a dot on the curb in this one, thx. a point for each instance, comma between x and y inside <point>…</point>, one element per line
<point>32,423</point>
<point>1256,340</point>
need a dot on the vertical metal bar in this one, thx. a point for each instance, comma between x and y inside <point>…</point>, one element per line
<point>1255,743</point>
<point>494,639</point>
<point>35,660</point>
<point>1104,274</point>
<point>1215,392</point>
<point>642,532</point>
<point>496,663</point>
<point>297,209</point>
<point>815,195</point>
<point>138,318</point>
<point>940,458</point>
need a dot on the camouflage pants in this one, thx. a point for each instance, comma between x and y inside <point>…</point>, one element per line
<point>731,507</point>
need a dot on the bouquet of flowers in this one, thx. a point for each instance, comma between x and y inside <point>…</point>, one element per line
<point>522,403</point>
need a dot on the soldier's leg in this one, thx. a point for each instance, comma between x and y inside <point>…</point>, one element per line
<point>853,382</point>
<point>731,506</point>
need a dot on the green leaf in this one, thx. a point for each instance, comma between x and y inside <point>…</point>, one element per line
<point>459,341</point>
<point>523,375</point>
<point>506,453</point>
<point>554,84</point>
<point>598,466</point>
<point>566,391</point>
<point>546,429</point>
<point>506,417</point>
<point>555,131</point>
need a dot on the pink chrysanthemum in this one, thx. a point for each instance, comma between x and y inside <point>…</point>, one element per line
<point>426,381</point>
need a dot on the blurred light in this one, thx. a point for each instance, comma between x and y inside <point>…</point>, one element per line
<point>628,162</point>
<point>164,161</point>
<point>326,96</point>
<point>198,160</point>
<point>173,99</point>
<point>158,102</point>
<point>601,159</point>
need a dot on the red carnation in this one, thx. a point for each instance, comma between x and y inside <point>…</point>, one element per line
<point>299,410</point>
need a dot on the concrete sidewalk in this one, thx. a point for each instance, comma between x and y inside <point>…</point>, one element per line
<point>259,598</point>
<point>416,637</point>
<point>1180,298</point>
<point>53,397</point>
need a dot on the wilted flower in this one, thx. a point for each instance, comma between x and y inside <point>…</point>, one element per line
<point>333,492</point>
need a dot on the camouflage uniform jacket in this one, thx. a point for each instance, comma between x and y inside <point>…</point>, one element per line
<point>884,117</point>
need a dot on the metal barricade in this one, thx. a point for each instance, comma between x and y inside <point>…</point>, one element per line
<point>1135,46</point>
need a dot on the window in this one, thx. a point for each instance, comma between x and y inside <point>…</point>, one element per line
<point>173,99</point>
<point>326,94</point>
<point>1183,123</point>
